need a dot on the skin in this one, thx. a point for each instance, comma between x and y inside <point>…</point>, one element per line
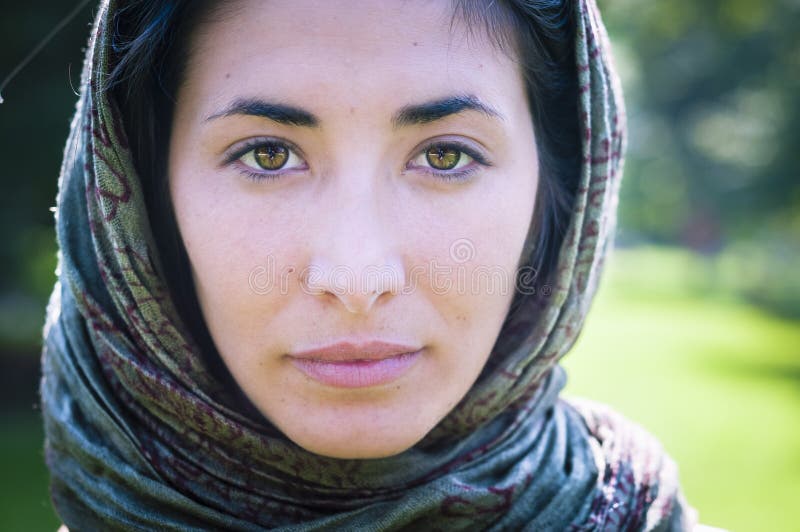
<point>355,195</point>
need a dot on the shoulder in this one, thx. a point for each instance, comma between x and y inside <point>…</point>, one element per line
<point>637,480</point>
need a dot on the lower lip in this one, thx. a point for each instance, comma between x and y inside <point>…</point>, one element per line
<point>357,373</point>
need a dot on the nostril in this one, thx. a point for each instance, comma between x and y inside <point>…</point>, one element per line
<point>359,303</point>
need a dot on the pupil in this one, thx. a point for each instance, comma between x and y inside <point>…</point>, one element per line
<point>443,158</point>
<point>271,156</point>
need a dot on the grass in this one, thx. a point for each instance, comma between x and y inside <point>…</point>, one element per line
<point>716,380</point>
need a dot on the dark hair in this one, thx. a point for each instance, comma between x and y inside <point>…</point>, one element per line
<point>150,46</point>
<point>540,35</point>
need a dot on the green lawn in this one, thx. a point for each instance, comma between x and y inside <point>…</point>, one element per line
<point>717,381</point>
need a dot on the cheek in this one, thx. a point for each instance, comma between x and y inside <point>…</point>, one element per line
<point>470,253</point>
<point>240,248</point>
<point>484,232</point>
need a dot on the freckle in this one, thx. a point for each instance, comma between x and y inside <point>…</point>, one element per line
<point>416,43</point>
<point>228,75</point>
<point>352,110</point>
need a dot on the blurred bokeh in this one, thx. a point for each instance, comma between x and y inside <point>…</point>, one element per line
<point>696,330</point>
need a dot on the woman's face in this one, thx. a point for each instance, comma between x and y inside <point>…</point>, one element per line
<point>348,174</point>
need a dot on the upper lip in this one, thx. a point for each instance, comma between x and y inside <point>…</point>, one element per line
<point>349,350</point>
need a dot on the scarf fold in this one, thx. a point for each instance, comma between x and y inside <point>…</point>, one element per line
<point>140,434</point>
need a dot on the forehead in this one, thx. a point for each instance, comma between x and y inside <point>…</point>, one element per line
<point>347,52</point>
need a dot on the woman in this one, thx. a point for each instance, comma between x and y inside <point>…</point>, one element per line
<point>319,261</point>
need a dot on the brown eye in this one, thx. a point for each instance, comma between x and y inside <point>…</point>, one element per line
<point>443,157</point>
<point>271,156</point>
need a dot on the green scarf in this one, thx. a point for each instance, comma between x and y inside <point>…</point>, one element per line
<point>140,434</point>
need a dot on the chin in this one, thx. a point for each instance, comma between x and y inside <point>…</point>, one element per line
<point>356,444</point>
<point>357,453</point>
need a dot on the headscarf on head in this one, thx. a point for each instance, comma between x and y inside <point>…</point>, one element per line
<point>141,434</point>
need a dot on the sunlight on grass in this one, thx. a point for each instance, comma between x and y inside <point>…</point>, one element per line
<point>717,381</point>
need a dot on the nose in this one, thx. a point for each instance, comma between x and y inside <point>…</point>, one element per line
<point>354,259</point>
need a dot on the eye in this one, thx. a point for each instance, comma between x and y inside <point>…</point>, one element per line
<point>448,161</point>
<point>443,157</point>
<point>265,158</point>
<point>271,156</point>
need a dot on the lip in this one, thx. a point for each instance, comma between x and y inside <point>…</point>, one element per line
<point>356,365</point>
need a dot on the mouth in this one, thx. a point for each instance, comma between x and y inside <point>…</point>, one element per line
<point>356,365</point>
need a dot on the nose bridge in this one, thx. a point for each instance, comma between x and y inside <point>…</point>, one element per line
<point>355,255</point>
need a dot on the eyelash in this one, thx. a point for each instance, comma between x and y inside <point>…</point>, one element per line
<point>263,175</point>
<point>448,176</point>
<point>451,176</point>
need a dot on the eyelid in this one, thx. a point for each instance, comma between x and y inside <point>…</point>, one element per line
<point>236,152</point>
<point>458,143</point>
<point>458,175</point>
<point>240,149</point>
<point>464,147</point>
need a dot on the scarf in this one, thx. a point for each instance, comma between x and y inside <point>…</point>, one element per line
<point>141,434</point>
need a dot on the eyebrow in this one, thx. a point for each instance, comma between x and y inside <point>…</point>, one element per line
<point>416,114</point>
<point>277,112</point>
<point>437,109</point>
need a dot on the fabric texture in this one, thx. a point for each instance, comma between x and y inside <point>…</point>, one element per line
<point>141,435</point>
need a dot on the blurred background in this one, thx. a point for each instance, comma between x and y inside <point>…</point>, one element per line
<point>696,330</point>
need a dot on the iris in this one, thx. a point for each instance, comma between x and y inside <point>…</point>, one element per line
<point>442,157</point>
<point>271,156</point>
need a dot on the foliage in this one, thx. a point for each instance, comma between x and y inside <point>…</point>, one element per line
<point>714,117</point>
<point>711,92</point>
<point>34,122</point>
<point>712,162</point>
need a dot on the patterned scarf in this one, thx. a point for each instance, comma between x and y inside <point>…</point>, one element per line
<point>141,434</point>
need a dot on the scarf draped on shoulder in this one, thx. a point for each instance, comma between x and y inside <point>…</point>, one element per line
<point>141,434</point>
